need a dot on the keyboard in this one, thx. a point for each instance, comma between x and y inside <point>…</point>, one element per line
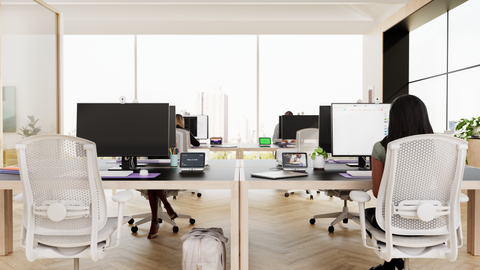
<point>115,173</point>
<point>360,173</point>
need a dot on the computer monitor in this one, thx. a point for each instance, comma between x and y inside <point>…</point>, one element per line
<point>356,127</point>
<point>290,124</point>
<point>128,130</point>
<point>325,129</point>
<point>172,134</point>
<point>197,125</point>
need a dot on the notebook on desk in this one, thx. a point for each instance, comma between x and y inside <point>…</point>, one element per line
<point>294,165</point>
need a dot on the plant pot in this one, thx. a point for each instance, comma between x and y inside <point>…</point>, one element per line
<point>319,163</point>
<point>475,132</point>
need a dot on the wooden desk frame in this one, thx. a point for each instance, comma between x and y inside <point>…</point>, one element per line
<point>6,220</point>
<point>473,218</point>
<point>239,206</point>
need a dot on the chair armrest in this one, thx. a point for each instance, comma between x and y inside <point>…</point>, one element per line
<point>463,198</point>
<point>18,197</point>
<point>123,196</point>
<point>359,196</point>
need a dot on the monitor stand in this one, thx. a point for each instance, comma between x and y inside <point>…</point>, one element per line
<point>128,164</point>
<point>362,164</point>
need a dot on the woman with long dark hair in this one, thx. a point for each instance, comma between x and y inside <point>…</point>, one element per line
<point>408,116</point>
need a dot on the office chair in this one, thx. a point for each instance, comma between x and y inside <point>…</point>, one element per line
<point>418,205</point>
<point>162,215</point>
<point>183,144</point>
<point>306,141</point>
<point>183,140</point>
<point>64,207</point>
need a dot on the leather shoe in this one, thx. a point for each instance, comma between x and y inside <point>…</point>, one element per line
<point>398,263</point>
<point>384,266</point>
<point>150,234</point>
<point>171,213</point>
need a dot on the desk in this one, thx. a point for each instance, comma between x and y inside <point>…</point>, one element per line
<point>220,174</point>
<point>243,147</point>
<point>330,179</point>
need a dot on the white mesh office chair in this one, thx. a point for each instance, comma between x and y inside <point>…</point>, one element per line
<point>306,141</point>
<point>64,207</point>
<point>183,140</point>
<point>183,144</point>
<point>418,205</point>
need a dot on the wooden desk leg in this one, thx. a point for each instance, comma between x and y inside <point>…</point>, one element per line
<point>235,229</point>
<point>243,225</point>
<point>473,222</point>
<point>6,222</point>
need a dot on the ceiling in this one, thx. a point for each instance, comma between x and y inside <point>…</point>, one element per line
<point>219,17</point>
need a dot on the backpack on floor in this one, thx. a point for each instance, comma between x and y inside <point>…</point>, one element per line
<point>204,249</point>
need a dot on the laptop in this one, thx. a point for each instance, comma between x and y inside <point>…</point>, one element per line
<point>217,142</point>
<point>294,165</point>
<point>264,141</point>
<point>295,161</point>
<point>192,162</point>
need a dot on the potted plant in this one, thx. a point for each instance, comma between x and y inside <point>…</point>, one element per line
<point>30,129</point>
<point>318,156</point>
<point>468,128</point>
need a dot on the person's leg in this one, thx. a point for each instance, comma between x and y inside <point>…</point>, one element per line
<point>370,217</point>
<point>163,197</point>
<point>153,200</point>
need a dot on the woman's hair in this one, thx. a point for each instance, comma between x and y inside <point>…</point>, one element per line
<point>408,116</point>
<point>288,113</point>
<point>179,121</point>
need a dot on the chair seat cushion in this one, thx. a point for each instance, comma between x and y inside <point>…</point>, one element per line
<point>80,240</point>
<point>405,241</point>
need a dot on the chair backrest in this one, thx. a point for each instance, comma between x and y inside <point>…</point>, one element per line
<point>183,140</point>
<point>420,188</point>
<point>61,169</point>
<point>307,139</point>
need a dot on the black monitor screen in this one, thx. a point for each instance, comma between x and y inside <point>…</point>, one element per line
<point>197,125</point>
<point>135,129</point>
<point>191,124</point>
<point>172,134</point>
<point>290,124</point>
<point>325,129</point>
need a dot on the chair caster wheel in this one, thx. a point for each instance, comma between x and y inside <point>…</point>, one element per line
<point>311,197</point>
<point>345,220</point>
<point>160,220</point>
<point>287,194</point>
<point>131,221</point>
<point>331,229</point>
<point>306,191</point>
<point>318,191</point>
<point>174,197</point>
<point>192,221</point>
<point>175,229</point>
<point>134,229</point>
<point>199,195</point>
<point>312,221</point>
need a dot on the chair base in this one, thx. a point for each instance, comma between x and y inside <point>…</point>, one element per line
<point>344,216</point>
<point>162,216</point>
<point>308,191</point>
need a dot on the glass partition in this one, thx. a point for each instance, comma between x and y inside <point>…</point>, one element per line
<point>30,71</point>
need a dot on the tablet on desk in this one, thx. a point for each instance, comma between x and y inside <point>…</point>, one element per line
<point>191,161</point>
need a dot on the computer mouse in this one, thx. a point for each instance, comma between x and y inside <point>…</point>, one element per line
<point>143,172</point>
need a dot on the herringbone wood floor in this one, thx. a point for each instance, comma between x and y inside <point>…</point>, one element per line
<point>281,236</point>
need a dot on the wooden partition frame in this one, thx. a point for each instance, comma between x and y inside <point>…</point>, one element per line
<point>6,220</point>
